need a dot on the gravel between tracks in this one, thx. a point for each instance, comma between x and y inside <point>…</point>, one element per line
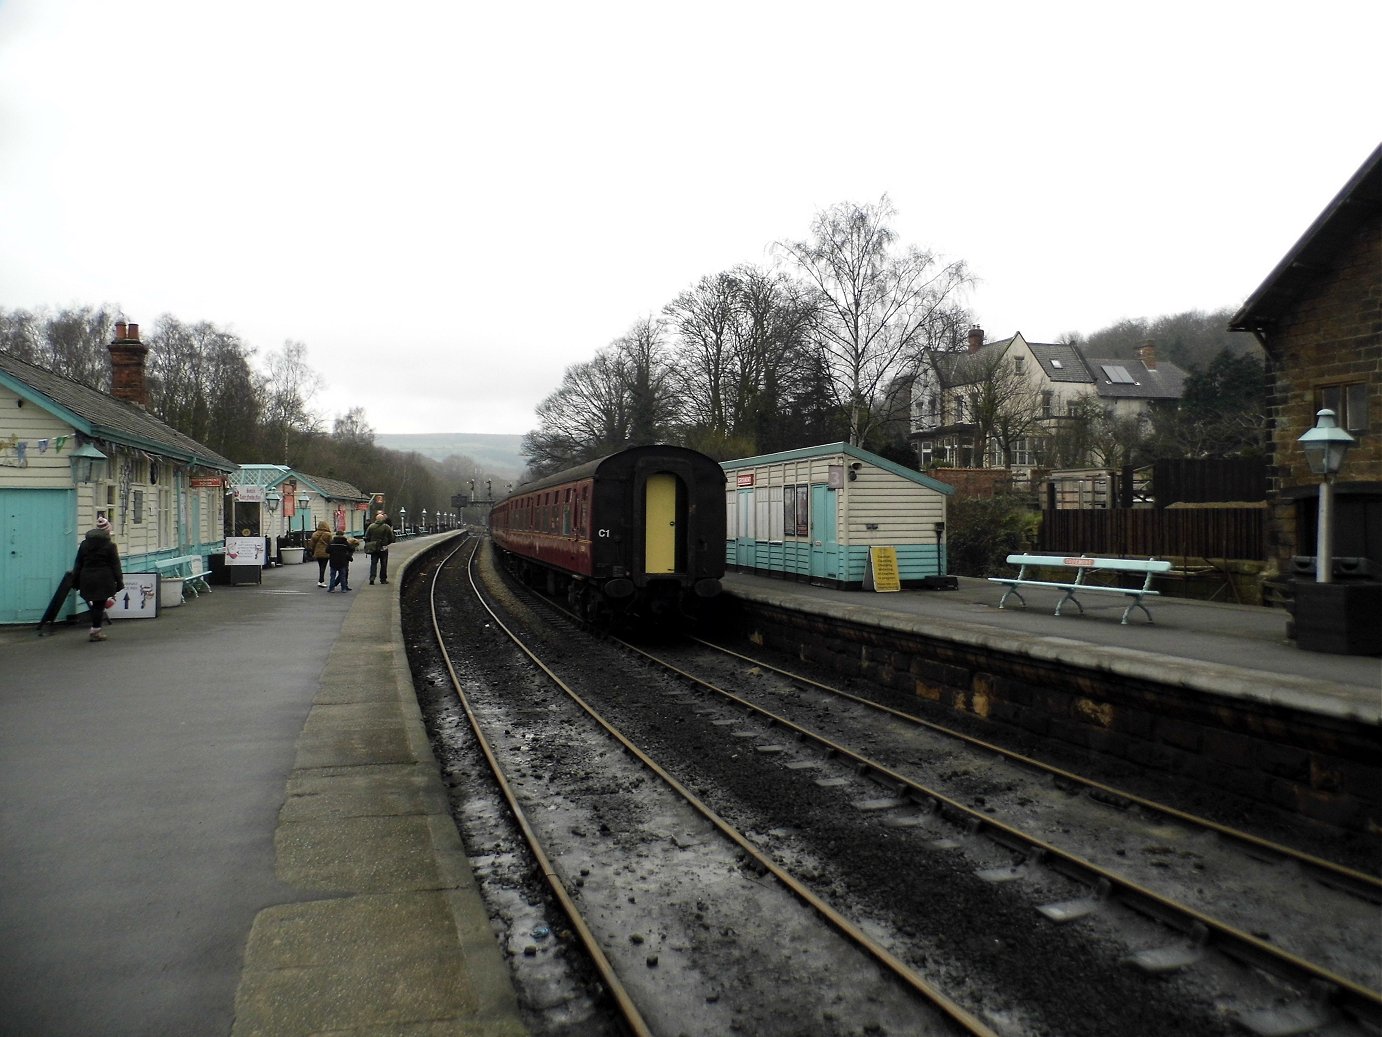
<point>983,943</point>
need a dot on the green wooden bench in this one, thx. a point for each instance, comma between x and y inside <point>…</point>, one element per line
<point>1082,566</point>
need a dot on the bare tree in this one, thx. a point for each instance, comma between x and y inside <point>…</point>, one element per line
<point>195,372</point>
<point>705,319</point>
<point>742,347</point>
<point>1003,403</point>
<point>288,389</point>
<point>875,300</point>
<point>654,409</point>
<point>585,417</point>
<point>353,428</point>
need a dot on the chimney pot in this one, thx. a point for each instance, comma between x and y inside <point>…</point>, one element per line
<point>127,355</point>
<point>1147,354</point>
<point>976,338</point>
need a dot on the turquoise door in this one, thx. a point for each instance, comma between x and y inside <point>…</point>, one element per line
<point>744,546</point>
<point>40,543</point>
<point>825,552</point>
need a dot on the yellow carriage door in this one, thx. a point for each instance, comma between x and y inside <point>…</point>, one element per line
<point>660,525</point>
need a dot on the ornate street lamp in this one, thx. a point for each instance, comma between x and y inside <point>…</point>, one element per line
<point>403,520</point>
<point>1325,447</point>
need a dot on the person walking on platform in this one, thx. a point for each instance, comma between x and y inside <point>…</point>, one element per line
<point>377,540</point>
<point>340,551</point>
<point>96,574</point>
<point>316,548</point>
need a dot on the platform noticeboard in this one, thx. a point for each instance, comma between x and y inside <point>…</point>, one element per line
<point>138,600</point>
<point>883,566</point>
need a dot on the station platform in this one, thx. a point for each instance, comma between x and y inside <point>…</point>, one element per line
<point>1239,651</point>
<point>228,820</point>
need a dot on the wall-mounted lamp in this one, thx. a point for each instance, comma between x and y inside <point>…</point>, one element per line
<point>88,463</point>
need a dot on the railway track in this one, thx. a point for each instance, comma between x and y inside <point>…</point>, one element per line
<point>655,972</point>
<point>1084,923</point>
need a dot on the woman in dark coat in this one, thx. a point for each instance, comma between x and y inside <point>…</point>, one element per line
<point>96,574</point>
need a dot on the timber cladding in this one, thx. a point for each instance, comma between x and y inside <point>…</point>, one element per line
<point>1320,768</point>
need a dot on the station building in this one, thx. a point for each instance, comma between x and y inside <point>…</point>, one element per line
<point>816,513</point>
<point>69,453</point>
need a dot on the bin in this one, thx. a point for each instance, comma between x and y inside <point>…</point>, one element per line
<point>291,555</point>
<point>170,591</point>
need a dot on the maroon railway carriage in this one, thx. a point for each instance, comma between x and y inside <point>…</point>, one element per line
<point>640,531</point>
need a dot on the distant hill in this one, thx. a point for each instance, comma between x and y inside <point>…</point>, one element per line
<point>497,454</point>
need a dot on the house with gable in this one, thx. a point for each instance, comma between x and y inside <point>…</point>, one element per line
<point>281,502</point>
<point>1002,403</point>
<point>69,453</point>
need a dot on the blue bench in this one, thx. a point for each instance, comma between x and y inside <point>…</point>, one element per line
<point>1082,566</point>
<point>187,568</point>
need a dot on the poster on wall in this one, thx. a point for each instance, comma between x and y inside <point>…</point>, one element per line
<point>139,599</point>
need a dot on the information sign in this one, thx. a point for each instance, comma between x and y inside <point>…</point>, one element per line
<point>883,562</point>
<point>139,599</point>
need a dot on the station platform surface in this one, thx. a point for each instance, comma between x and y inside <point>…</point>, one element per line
<point>228,820</point>
<point>1227,649</point>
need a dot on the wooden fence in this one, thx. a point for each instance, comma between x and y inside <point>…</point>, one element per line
<point>1172,533</point>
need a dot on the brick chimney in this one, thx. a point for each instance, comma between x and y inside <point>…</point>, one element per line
<point>127,355</point>
<point>1147,354</point>
<point>976,338</point>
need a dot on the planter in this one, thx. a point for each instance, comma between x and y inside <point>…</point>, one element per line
<point>170,591</point>
<point>1343,618</point>
<point>291,555</point>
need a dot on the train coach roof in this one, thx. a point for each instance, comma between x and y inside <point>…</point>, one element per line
<point>609,464</point>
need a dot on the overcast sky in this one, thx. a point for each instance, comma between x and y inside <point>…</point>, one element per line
<point>449,203</point>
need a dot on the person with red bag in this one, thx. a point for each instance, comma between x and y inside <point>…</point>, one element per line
<point>96,574</point>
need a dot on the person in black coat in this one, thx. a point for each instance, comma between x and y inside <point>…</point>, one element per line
<point>96,574</point>
<point>339,553</point>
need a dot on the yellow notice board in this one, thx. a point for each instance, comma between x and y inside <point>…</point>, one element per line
<point>883,562</point>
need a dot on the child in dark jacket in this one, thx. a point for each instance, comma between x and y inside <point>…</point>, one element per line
<point>339,553</point>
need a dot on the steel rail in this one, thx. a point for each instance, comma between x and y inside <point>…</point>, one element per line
<point>950,1008</point>
<point>1344,993</point>
<point>1357,882</point>
<point>615,987</point>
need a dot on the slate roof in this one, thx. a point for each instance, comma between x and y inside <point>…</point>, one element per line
<point>334,489</point>
<point>1315,252</point>
<point>1164,382</point>
<point>1061,362</point>
<point>270,475</point>
<point>102,416</point>
<point>964,368</point>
